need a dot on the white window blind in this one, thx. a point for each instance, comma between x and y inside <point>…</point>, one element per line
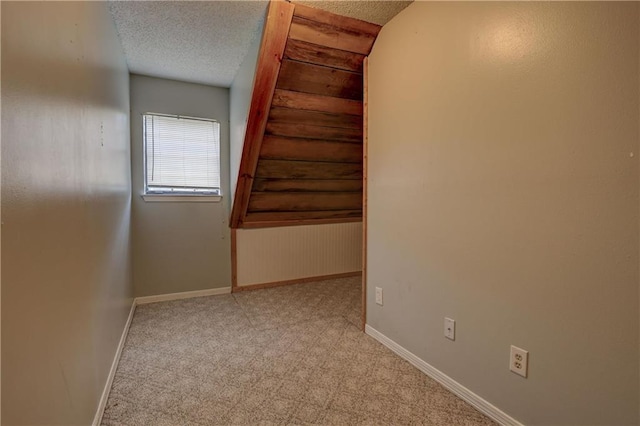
<point>182,155</point>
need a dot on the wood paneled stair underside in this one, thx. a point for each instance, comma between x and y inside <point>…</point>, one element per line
<point>302,154</point>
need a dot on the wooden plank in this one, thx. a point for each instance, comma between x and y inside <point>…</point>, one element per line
<point>308,215</point>
<point>325,56</point>
<point>325,119</point>
<point>334,37</point>
<point>307,185</point>
<point>345,22</point>
<point>311,102</point>
<point>281,148</point>
<point>307,131</point>
<point>282,169</point>
<point>309,78</point>
<point>305,201</point>
<point>261,286</point>
<point>274,39</point>
<point>365,176</point>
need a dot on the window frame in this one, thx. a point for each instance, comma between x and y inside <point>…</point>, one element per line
<point>204,196</point>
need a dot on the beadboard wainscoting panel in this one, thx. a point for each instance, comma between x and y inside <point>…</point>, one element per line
<point>279,254</point>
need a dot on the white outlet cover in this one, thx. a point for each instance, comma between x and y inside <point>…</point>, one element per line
<point>379,296</point>
<point>519,361</point>
<point>450,328</point>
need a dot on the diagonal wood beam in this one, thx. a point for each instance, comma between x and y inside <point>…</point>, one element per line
<point>274,39</point>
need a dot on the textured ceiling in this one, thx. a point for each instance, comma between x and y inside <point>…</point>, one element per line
<point>200,41</point>
<point>206,41</point>
<point>378,12</point>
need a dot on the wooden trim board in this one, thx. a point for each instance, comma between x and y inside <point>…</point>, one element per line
<point>295,281</point>
<point>299,222</point>
<point>234,259</point>
<point>365,162</point>
<point>274,40</point>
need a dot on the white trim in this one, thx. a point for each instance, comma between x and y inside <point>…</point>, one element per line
<point>477,401</point>
<point>173,198</point>
<point>183,295</point>
<point>97,419</point>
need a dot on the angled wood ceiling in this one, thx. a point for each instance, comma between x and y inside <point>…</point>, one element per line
<point>302,155</point>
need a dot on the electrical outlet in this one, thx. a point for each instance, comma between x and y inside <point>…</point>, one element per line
<point>519,361</point>
<point>379,296</point>
<point>450,328</point>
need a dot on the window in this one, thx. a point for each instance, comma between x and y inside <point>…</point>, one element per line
<point>181,155</point>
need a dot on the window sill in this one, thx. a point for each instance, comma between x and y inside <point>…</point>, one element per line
<point>171,198</point>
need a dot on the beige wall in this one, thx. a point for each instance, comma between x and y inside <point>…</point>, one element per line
<point>66,279</point>
<point>292,252</point>
<point>179,246</point>
<point>240,94</point>
<point>502,193</point>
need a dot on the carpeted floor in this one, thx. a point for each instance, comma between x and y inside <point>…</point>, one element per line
<point>287,355</point>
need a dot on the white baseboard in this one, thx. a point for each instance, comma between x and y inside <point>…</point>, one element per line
<point>183,295</point>
<point>97,419</point>
<point>475,400</point>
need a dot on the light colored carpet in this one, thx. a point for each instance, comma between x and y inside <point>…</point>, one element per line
<point>287,355</point>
